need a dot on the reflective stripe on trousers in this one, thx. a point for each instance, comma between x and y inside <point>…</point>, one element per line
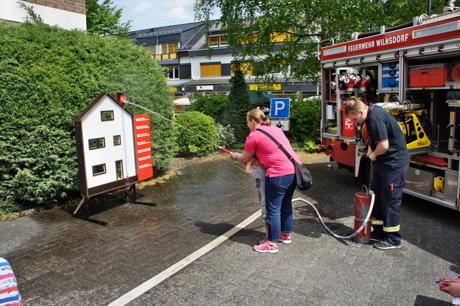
<point>388,184</point>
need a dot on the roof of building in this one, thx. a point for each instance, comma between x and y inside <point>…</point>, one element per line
<point>165,30</point>
<point>188,34</point>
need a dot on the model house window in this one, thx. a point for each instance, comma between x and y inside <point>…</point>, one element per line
<point>218,40</point>
<point>99,169</point>
<point>96,143</point>
<point>107,115</point>
<point>210,70</point>
<point>173,72</point>
<point>119,169</point>
<point>116,140</point>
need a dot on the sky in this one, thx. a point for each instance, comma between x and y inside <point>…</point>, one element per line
<point>146,14</point>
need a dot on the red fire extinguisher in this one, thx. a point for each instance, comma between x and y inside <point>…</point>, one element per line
<point>362,206</point>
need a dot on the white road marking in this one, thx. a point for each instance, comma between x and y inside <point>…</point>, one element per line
<point>149,284</point>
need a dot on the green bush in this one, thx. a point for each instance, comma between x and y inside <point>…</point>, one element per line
<point>48,76</point>
<point>204,137</point>
<point>211,105</point>
<point>304,125</point>
<point>309,146</point>
<point>225,135</point>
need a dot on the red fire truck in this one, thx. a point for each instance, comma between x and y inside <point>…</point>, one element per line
<point>412,71</point>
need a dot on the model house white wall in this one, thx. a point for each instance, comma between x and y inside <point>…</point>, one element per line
<point>93,127</point>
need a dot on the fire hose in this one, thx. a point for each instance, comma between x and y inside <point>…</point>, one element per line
<point>320,218</point>
<point>356,232</point>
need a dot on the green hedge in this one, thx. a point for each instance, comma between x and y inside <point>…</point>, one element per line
<point>211,105</point>
<point>48,76</point>
<point>304,125</point>
<point>204,138</point>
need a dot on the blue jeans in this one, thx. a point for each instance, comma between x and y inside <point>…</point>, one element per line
<point>278,203</point>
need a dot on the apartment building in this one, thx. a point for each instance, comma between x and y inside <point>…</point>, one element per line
<point>66,14</point>
<point>198,60</point>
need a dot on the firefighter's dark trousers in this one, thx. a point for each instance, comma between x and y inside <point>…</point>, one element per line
<point>387,184</point>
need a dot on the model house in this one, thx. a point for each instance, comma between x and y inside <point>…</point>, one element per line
<point>105,147</point>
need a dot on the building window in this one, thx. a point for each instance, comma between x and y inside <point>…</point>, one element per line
<point>210,70</point>
<point>275,37</point>
<point>150,49</point>
<point>99,169</point>
<point>280,37</point>
<point>166,51</point>
<point>172,72</point>
<point>119,169</point>
<point>246,68</point>
<point>218,40</point>
<point>96,143</point>
<point>107,115</point>
<point>116,140</point>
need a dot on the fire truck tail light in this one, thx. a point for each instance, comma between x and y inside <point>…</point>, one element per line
<point>442,28</point>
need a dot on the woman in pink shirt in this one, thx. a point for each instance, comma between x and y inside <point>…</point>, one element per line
<point>279,180</point>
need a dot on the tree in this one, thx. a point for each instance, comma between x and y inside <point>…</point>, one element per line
<point>238,105</point>
<point>104,19</point>
<point>297,26</point>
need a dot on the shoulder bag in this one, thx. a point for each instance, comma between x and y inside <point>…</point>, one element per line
<point>302,175</point>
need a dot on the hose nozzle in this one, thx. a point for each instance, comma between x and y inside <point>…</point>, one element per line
<point>224,149</point>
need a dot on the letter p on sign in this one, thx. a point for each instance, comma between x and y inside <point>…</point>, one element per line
<point>279,107</point>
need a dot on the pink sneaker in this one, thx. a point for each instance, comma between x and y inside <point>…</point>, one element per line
<point>266,247</point>
<point>285,237</point>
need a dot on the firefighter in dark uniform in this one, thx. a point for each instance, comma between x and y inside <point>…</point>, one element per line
<point>387,148</point>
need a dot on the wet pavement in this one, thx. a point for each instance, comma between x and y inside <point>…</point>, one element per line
<point>61,260</point>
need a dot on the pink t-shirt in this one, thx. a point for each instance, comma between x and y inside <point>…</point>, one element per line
<point>270,156</point>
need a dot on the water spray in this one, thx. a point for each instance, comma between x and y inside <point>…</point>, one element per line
<point>222,148</point>
<point>370,194</point>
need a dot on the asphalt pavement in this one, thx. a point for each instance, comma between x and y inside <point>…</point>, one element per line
<point>61,260</point>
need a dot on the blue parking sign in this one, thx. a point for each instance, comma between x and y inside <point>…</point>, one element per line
<point>279,107</point>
